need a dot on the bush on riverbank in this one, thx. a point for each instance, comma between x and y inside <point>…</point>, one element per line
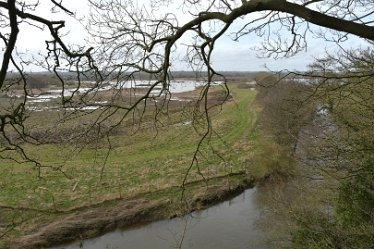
<point>330,202</point>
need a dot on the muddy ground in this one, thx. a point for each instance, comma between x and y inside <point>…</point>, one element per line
<point>126,213</point>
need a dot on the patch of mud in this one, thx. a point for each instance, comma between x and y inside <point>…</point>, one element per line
<point>92,223</point>
<point>126,213</point>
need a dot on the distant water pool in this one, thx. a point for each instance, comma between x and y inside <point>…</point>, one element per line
<point>176,86</point>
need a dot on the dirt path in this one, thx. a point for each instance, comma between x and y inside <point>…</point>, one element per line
<point>253,118</point>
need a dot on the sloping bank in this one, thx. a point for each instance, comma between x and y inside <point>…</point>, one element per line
<point>111,215</point>
<point>57,226</point>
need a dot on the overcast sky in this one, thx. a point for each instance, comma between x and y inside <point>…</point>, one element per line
<point>228,56</point>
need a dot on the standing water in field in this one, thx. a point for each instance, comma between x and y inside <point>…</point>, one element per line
<point>176,86</point>
<point>230,224</point>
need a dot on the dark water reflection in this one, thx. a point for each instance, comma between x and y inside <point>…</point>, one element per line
<point>230,224</point>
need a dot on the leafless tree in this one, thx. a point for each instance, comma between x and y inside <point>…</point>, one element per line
<point>15,17</point>
<point>129,37</point>
<point>145,38</point>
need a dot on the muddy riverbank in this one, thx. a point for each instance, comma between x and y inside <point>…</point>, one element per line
<point>125,213</point>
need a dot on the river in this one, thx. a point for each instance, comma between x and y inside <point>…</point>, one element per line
<point>230,224</point>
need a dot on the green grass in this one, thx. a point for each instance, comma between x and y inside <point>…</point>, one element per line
<point>137,164</point>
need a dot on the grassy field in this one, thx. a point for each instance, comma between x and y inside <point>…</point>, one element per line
<point>136,163</point>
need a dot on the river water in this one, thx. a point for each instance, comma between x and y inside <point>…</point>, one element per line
<point>230,224</point>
